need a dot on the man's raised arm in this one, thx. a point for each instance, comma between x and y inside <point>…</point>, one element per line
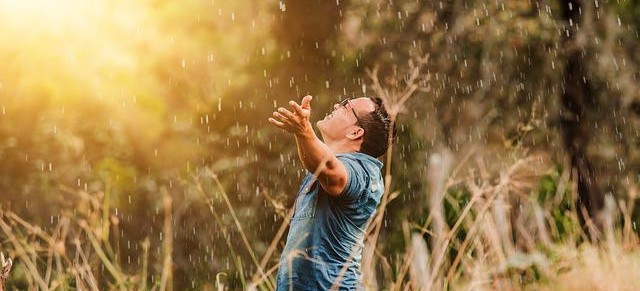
<point>315,155</point>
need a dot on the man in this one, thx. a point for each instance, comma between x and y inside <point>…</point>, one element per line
<point>339,194</point>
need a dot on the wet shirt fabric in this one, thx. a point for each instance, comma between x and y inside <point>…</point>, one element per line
<point>326,234</point>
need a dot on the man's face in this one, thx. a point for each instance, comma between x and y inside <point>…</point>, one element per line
<point>342,121</point>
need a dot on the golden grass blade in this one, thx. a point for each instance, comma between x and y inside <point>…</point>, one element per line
<point>240,229</point>
<point>116,273</point>
<point>166,279</point>
<point>5,268</point>
<point>22,252</point>
<point>420,264</point>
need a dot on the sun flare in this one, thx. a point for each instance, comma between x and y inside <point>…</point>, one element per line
<point>71,41</point>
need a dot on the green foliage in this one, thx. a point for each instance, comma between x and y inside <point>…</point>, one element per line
<point>629,10</point>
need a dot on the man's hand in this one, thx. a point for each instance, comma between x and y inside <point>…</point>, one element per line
<point>296,122</point>
<point>316,156</point>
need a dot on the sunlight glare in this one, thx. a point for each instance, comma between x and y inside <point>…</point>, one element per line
<point>68,41</point>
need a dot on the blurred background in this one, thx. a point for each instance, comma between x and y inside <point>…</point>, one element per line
<point>133,132</point>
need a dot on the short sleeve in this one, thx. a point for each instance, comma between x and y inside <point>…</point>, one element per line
<point>357,180</point>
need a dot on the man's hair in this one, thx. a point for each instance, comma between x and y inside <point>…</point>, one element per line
<point>376,125</point>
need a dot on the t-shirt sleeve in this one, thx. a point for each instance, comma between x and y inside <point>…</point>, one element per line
<point>357,180</point>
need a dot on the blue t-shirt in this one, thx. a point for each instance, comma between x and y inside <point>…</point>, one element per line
<point>326,235</point>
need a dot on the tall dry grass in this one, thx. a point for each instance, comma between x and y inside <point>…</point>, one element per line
<point>504,237</point>
<point>486,226</point>
<point>78,252</point>
<point>5,268</point>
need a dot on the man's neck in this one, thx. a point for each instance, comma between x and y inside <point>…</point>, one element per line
<point>343,147</point>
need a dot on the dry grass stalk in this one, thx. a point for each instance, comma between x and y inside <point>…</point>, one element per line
<point>483,230</point>
<point>220,224</point>
<point>439,165</point>
<point>258,277</point>
<point>48,265</point>
<point>241,231</point>
<point>403,87</point>
<point>488,257</point>
<point>5,268</point>
<point>82,269</point>
<point>108,263</point>
<point>24,251</point>
<point>596,268</point>
<point>166,279</point>
<point>420,263</point>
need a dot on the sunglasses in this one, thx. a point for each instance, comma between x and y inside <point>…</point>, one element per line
<point>344,104</point>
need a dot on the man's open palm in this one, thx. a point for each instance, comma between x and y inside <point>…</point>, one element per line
<point>295,121</point>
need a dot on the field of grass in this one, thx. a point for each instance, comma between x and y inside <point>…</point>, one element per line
<point>508,226</point>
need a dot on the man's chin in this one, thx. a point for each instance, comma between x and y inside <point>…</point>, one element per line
<point>321,124</point>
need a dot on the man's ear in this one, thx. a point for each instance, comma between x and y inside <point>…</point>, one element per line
<point>356,133</point>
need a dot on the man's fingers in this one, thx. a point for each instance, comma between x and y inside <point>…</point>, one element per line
<point>288,114</point>
<point>276,123</point>
<point>306,102</point>
<point>289,120</point>
<point>288,123</point>
<point>296,107</point>
<point>280,125</point>
<point>281,117</point>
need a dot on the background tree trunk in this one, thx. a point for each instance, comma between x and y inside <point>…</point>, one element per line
<point>576,97</point>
